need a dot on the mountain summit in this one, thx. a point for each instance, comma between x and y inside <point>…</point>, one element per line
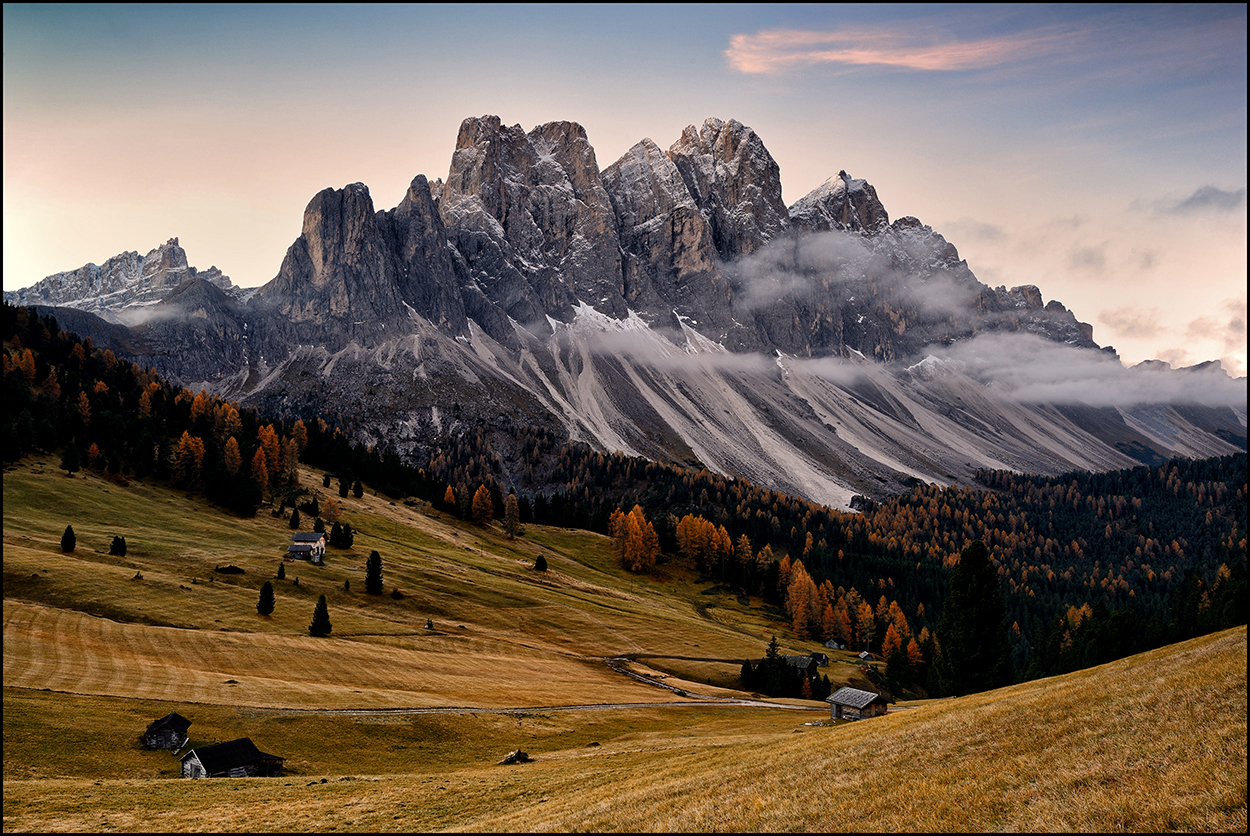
<point>669,305</point>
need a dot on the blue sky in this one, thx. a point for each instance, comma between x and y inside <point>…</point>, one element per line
<point>1098,152</point>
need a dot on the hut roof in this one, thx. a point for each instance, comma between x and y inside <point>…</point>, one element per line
<point>853,697</point>
<point>803,662</point>
<point>172,720</point>
<point>222,757</point>
<point>299,548</point>
<point>307,536</point>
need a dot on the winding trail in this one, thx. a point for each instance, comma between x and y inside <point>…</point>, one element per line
<point>616,663</point>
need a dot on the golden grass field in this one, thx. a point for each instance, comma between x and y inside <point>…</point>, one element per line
<point>91,655</point>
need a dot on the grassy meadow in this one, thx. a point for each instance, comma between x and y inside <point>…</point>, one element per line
<point>95,647</point>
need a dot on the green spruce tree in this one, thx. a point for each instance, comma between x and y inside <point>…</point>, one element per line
<point>373,574</point>
<point>320,626</point>
<point>265,605</point>
<point>975,654</point>
<point>69,459</point>
<point>68,540</point>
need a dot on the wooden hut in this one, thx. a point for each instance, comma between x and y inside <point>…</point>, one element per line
<point>232,759</point>
<point>169,732</point>
<point>306,545</point>
<point>848,703</point>
<point>807,664</point>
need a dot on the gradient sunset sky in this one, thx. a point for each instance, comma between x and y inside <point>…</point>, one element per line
<point>1098,152</point>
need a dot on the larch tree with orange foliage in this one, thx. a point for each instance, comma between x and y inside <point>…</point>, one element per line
<point>482,508</point>
<point>231,456</point>
<point>260,469</point>
<point>634,539</point>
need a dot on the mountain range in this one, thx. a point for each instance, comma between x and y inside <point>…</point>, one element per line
<point>669,306</point>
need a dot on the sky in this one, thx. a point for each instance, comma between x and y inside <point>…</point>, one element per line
<point>1098,152</point>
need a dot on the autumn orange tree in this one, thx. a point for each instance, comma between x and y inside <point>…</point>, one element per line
<point>482,508</point>
<point>634,539</point>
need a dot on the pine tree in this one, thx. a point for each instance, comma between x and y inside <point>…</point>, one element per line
<point>540,564</point>
<point>512,516</point>
<point>118,547</point>
<point>373,574</point>
<point>68,540</point>
<point>69,459</point>
<point>295,519</point>
<point>975,654</point>
<point>265,605</point>
<point>321,619</point>
<point>358,490</point>
<point>281,571</point>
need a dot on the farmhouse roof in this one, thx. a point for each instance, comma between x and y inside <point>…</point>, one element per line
<point>172,720</point>
<point>853,697</point>
<point>222,757</point>
<point>298,548</point>
<point>797,661</point>
<point>307,536</point>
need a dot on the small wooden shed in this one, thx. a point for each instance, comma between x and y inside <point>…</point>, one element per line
<point>169,732</point>
<point>232,759</point>
<point>848,703</point>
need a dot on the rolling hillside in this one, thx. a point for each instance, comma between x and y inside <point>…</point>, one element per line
<point>92,653</point>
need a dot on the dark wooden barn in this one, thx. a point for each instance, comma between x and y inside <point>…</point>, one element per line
<point>853,704</point>
<point>169,732</point>
<point>232,759</point>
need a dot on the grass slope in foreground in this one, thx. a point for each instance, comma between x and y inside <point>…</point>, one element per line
<point>1153,742</point>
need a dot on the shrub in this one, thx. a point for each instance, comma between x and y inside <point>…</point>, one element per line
<point>540,564</point>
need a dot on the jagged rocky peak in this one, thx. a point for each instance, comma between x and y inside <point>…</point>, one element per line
<point>668,253</point>
<point>1025,312</point>
<point>735,182</point>
<point>339,267</point>
<point>529,214</point>
<point>123,281</point>
<point>842,203</point>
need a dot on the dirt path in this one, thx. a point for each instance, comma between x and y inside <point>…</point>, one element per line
<point>616,663</point>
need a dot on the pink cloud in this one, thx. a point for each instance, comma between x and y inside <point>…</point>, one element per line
<point>776,50</point>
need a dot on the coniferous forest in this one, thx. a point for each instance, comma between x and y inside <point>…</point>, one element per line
<point>1091,566</point>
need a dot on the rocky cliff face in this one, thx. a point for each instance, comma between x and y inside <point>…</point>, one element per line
<point>735,183</point>
<point>669,305</point>
<point>528,214</point>
<point>123,281</point>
